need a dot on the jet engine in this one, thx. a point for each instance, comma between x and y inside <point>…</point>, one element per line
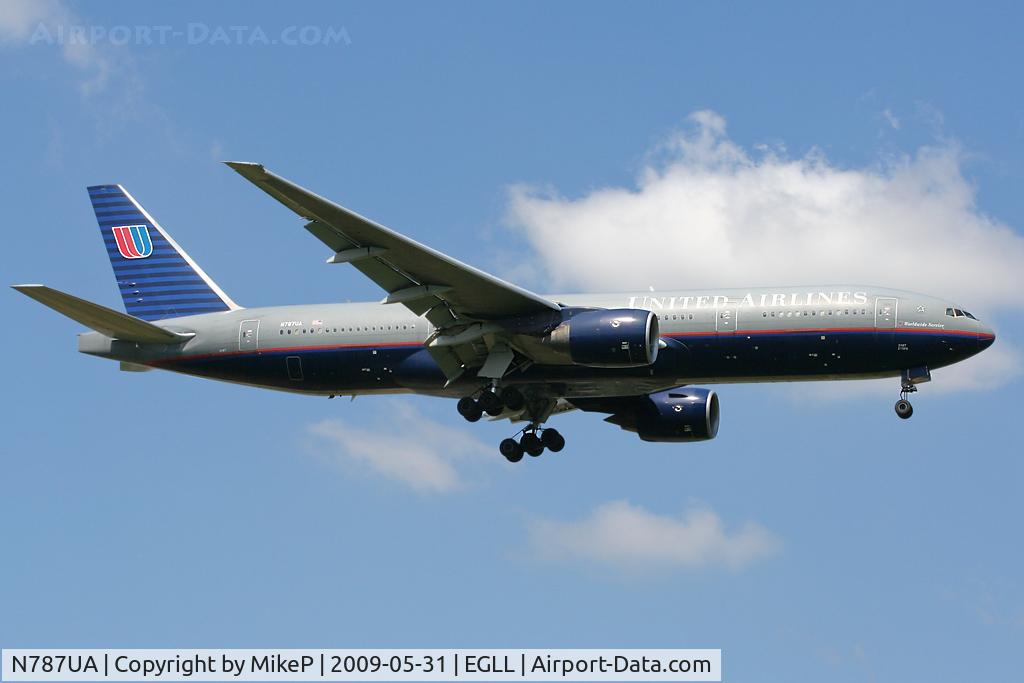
<point>684,414</point>
<point>607,338</point>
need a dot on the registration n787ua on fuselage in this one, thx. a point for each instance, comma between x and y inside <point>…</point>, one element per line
<point>448,329</point>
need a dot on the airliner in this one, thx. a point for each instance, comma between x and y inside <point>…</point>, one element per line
<point>447,329</point>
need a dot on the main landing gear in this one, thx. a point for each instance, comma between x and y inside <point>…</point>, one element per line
<point>533,441</point>
<point>491,402</point>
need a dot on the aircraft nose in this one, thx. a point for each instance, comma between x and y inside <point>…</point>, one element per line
<point>986,337</point>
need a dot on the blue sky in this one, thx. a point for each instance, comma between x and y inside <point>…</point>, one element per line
<point>845,545</point>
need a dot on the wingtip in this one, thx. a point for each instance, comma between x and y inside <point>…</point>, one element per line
<point>22,288</point>
<point>245,167</point>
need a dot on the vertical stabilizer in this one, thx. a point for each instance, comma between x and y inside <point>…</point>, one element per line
<point>157,279</point>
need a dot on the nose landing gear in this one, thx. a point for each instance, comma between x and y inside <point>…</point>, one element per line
<point>904,409</point>
<point>908,385</point>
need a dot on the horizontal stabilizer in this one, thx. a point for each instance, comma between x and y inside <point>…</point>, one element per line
<point>102,319</point>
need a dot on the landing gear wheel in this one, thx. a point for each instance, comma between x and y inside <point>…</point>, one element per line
<point>532,444</point>
<point>490,403</point>
<point>552,440</point>
<point>903,408</point>
<point>512,398</point>
<point>469,409</point>
<point>511,449</point>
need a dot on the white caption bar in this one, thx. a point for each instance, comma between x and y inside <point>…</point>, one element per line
<point>362,665</point>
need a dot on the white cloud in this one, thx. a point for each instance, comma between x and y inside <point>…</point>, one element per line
<point>705,212</point>
<point>41,23</point>
<point>628,537</point>
<point>891,119</point>
<point>403,445</point>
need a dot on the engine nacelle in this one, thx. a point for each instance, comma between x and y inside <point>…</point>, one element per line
<point>685,414</point>
<point>608,338</point>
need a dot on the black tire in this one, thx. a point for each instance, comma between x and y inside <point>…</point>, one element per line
<point>490,403</point>
<point>903,409</point>
<point>469,409</point>
<point>513,398</point>
<point>511,449</point>
<point>465,406</point>
<point>532,444</point>
<point>552,440</point>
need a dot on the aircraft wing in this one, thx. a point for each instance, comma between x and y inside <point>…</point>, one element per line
<point>448,292</point>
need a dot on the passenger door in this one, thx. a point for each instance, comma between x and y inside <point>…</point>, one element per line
<point>725,320</point>
<point>885,313</point>
<point>249,335</point>
<point>885,322</point>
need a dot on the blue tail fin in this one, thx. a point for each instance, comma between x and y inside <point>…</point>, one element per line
<point>156,277</point>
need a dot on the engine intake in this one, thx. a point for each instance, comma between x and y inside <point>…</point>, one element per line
<point>677,415</point>
<point>608,338</point>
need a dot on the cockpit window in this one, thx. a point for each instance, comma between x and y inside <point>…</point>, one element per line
<point>957,313</point>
